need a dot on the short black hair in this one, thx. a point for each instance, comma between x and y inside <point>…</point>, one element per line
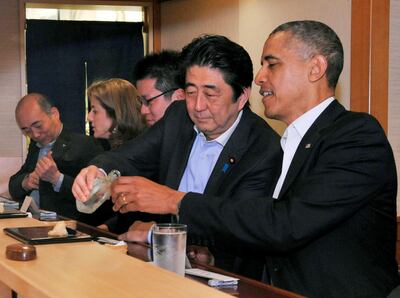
<point>219,52</point>
<point>164,67</point>
<point>320,39</point>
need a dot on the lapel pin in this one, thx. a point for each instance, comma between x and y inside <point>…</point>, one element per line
<point>308,146</point>
<point>232,160</point>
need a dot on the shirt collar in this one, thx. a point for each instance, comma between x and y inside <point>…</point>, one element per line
<point>223,138</point>
<point>304,122</point>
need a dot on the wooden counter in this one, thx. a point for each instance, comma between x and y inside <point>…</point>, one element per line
<point>88,269</point>
<point>247,288</point>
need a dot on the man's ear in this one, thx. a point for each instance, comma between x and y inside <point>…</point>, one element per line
<point>54,112</point>
<point>178,94</point>
<point>244,97</point>
<point>318,67</point>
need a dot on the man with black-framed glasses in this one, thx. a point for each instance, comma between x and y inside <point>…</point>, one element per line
<point>159,82</point>
<point>147,102</point>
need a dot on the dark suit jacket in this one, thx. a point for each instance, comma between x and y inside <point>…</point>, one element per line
<point>71,152</point>
<point>332,233</point>
<point>164,150</point>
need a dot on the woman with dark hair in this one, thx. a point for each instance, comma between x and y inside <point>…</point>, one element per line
<point>115,117</point>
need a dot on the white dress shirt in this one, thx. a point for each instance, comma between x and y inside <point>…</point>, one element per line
<point>292,137</point>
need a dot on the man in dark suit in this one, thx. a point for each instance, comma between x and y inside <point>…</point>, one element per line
<point>159,81</point>
<point>329,229</point>
<point>211,144</point>
<point>55,156</point>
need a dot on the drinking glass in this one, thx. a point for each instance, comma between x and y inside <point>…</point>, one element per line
<point>169,247</point>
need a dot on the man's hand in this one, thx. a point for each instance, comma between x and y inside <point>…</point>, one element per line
<point>83,183</point>
<point>200,254</point>
<point>137,232</point>
<point>31,181</point>
<point>47,169</point>
<point>140,194</point>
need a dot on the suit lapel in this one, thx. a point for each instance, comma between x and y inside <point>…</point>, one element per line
<point>180,159</point>
<point>309,141</point>
<point>231,154</point>
<point>33,155</point>
<point>61,145</point>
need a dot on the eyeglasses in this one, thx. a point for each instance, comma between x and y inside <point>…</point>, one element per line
<point>146,102</point>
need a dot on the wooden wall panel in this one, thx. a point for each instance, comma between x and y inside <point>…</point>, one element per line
<point>10,86</point>
<point>156,26</point>
<point>370,58</point>
<point>360,43</point>
<point>380,60</point>
<point>10,70</point>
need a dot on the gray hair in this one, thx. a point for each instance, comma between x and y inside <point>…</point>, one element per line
<point>42,100</point>
<point>319,39</point>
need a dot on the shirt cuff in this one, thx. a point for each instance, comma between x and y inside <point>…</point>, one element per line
<point>57,186</point>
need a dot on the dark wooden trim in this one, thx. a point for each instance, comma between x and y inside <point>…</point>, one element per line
<point>380,16</point>
<point>398,241</point>
<point>360,44</point>
<point>156,26</point>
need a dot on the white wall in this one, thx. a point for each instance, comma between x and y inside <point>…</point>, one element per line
<point>183,20</point>
<point>249,22</point>
<point>257,18</point>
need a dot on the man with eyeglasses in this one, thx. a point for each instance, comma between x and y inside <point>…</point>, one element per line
<point>55,156</point>
<point>210,144</point>
<point>158,80</point>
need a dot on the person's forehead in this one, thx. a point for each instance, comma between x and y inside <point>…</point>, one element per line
<point>94,101</point>
<point>147,84</point>
<point>26,118</point>
<point>197,67</point>
<point>205,73</point>
<point>147,81</point>
<point>277,40</point>
<point>281,45</point>
<point>30,108</point>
